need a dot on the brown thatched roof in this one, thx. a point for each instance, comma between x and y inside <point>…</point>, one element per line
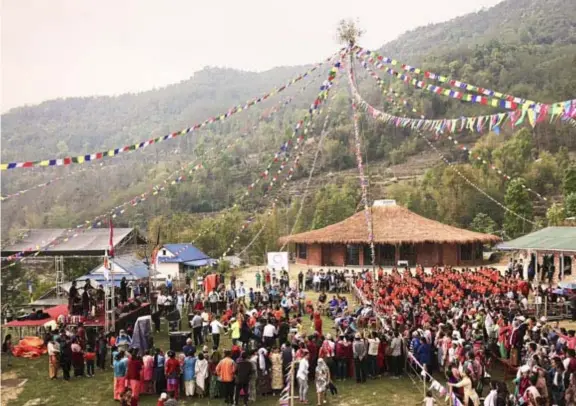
<point>392,225</point>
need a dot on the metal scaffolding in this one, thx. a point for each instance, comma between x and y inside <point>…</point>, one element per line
<point>109,299</point>
<point>59,265</point>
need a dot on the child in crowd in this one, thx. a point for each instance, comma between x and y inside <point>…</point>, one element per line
<point>90,358</point>
<point>429,399</point>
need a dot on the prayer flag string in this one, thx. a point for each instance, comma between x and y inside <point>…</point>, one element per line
<point>313,110</point>
<point>377,114</point>
<point>120,209</point>
<point>444,79</point>
<point>143,144</point>
<point>283,150</point>
<point>472,155</point>
<point>534,113</point>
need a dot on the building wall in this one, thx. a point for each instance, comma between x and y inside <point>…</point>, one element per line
<point>313,255</point>
<point>163,252</point>
<point>337,255</point>
<point>557,262</point>
<point>172,269</point>
<point>450,254</point>
<point>319,255</point>
<point>428,254</point>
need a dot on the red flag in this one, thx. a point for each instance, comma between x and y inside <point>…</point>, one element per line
<point>111,249</point>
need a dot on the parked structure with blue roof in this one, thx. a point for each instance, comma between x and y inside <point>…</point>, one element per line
<point>127,266</point>
<point>175,260</point>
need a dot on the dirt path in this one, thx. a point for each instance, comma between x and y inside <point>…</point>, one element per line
<point>248,275</point>
<point>11,387</point>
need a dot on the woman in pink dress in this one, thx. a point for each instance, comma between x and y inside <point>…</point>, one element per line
<point>148,372</point>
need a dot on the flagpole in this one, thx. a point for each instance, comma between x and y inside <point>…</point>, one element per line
<point>113,303</point>
<point>113,291</point>
<point>154,259</point>
<point>107,294</point>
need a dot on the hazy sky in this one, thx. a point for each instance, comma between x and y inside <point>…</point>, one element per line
<point>60,48</point>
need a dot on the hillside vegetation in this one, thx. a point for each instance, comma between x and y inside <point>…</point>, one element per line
<point>523,47</point>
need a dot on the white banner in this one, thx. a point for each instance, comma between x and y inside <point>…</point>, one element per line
<point>278,260</point>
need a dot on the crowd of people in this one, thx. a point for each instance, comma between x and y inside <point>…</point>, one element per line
<point>459,324</point>
<point>269,342</point>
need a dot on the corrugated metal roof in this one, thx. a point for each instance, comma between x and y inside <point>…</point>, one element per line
<point>52,301</point>
<point>562,239</point>
<point>133,265</point>
<point>200,262</point>
<point>188,253</point>
<point>95,239</point>
<point>127,266</point>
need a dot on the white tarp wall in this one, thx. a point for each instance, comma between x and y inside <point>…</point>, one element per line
<point>278,260</point>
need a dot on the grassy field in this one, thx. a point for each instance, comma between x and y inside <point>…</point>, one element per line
<point>40,390</point>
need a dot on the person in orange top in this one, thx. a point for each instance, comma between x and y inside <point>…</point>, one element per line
<point>225,370</point>
<point>278,313</point>
<point>90,358</point>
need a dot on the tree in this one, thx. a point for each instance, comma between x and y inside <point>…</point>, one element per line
<point>483,223</point>
<point>13,285</point>
<point>348,32</point>
<point>555,215</point>
<point>570,205</point>
<point>223,266</point>
<point>570,180</point>
<point>515,154</point>
<point>519,204</point>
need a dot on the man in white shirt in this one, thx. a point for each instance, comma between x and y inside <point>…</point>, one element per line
<point>196,325</point>
<point>217,329</point>
<point>316,282</point>
<point>161,301</point>
<point>241,293</point>
<point>169,303</point>
<point>373,346</point>
<point>180,302</point>
<point>205,325</point>
<point>213,300</point>
<point>396,355</point>
<point>53,352</point>
<point>269,335</point>
<point>302,376</point>
<point>489,325</point>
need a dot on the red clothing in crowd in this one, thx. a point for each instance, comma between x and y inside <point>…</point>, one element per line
<point>134,369</point>
<point>172,366</point>
<point>318,323</point>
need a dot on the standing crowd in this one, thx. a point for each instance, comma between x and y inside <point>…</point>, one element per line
<point>460,324</point>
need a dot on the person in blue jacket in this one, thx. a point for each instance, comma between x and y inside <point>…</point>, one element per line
<point>189,373</point>
<point>424,354</point>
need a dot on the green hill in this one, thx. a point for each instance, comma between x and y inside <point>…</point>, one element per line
<point>523,47</point>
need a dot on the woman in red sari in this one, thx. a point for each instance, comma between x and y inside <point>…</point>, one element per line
<point>318,323</point>
<point>173,374</point>
<point>381,357</point>
<point>133,374</point>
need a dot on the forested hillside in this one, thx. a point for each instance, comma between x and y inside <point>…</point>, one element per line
<point>523,47</point>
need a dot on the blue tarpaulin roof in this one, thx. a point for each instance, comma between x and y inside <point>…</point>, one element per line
<point>128,267</point>
<point>200,262</point>
<point>183,253</point>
